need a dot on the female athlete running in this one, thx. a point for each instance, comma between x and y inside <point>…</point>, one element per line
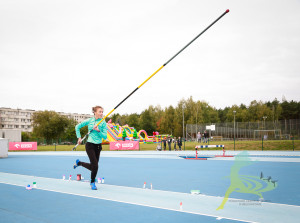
<point>93,146</point>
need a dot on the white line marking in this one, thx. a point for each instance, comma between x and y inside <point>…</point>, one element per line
<point>174,192</point>
<point>126,202</point>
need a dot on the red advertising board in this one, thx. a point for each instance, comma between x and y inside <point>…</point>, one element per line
<point>124,145</point>
<point>22,146</point>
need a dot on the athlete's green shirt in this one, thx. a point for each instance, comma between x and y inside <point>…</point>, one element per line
<point>95,136</point>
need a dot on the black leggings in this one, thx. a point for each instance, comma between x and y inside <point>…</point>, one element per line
<point>93,151</point>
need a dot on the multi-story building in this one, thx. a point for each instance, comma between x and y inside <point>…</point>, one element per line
<point>21,119</point>
<point>77,117</point>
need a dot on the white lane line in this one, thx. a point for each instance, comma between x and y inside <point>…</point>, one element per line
<point>170,155</point>
<point>132,203</point>
<point>173,192</point>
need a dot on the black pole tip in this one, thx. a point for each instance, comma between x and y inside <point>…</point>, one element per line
<point>227,11</point>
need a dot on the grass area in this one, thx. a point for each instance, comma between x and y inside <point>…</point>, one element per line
<point>229,145</point>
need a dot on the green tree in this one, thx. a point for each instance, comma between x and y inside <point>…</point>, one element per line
<point>25,136</point>
<point>241,114</point>
<point>115,117</point>
<point>70,133</point>
<point>168,123</point>
<point>147,121</point>
<point>133,120</point>
<point>124,135</point>
<point>135,134</point>
<point>276,109</point>
<point>290,110</point>
<point>157,112</point>
<point>257,110</point>
<point>49,125</point>
<point>222,113</point>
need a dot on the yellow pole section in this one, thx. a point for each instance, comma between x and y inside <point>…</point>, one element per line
<point>151,76</point>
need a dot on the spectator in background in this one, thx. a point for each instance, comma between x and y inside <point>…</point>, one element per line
<point>199,137</point>
<point>158,148</point>
<point>175,142</point>
<point>179,142</point>
<point>165,143</point>
<point>206,136</point>
<point>169,142</point>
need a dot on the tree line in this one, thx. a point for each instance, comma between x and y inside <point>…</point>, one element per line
<point>170,119</point>
<point>50,125</point>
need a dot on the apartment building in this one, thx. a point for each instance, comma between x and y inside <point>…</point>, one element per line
<point>21,119</point>
<point>75,116</point>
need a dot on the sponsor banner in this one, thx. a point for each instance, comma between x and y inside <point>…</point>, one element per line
<point>22,146</point>
<point>124,145</point>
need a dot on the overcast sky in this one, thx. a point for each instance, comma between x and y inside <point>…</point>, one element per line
<point>71,55</point>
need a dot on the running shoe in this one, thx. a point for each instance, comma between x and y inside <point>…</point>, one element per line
<point>93,186</point>
<point>76,164</point>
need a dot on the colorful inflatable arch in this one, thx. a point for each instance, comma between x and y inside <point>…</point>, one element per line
<point>114,133</point>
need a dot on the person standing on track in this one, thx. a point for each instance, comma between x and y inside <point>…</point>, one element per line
<point>179,142</point>
<point>93,146</point>
<point>206,136</point>
<point>199,137</point>
<point>175,142</point>
<point>165,143</point>
<point>170,143</point>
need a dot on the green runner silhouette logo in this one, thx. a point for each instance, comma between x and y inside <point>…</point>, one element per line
<point>244,183</point>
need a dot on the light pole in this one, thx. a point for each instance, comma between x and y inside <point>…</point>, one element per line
<point>197,123</point>
<point>183,107</point>
<point>264,117</point>
<point>234,130</point>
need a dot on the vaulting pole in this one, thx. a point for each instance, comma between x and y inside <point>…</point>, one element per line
<point>156,72</point>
